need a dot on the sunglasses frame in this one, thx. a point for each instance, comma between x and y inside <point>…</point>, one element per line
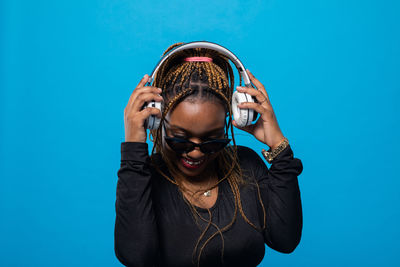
<point>169,139</point>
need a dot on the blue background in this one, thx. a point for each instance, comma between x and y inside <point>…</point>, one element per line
<point>331,69</point>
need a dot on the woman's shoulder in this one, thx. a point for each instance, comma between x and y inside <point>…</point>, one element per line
<point>245,149</point>
<point>251,164</point>
<point>248,156</point>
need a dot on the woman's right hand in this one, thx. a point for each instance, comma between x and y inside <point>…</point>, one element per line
<point>134,116</point>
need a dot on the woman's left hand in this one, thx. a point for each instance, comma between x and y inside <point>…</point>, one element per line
<point>266,129</point>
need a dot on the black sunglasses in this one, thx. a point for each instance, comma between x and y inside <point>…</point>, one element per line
<point>183,145</point>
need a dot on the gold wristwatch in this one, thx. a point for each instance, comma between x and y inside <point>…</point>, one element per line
<point>270,155</point>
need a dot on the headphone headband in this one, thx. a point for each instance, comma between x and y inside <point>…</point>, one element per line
<point>242,117</point>
<point>207,45</point>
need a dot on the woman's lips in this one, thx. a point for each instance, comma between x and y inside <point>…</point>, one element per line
<point>195,164</point>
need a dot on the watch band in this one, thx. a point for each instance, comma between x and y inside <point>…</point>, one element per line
<point>270,155</point>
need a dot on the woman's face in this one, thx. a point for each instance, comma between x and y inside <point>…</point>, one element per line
<point>196,122</point>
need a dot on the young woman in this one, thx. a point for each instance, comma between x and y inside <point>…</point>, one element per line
<point>198,200</point>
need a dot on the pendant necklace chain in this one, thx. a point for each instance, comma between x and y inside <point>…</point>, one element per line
<point>208,192</point>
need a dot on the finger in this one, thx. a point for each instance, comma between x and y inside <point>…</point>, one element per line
<point>147,112</point>
<point>143,98</point>
<point>254,92</point>
<point>148,89</point>
<point>257,83</point>
<point>139,118</point>
<point>143,81</point>
<point>249,105</point>
<point>248,128</point>
<point>141,90</point>
<point>254,80</point>
<point>237,126</point>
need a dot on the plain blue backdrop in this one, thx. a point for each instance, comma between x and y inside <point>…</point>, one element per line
<point>331,69</point>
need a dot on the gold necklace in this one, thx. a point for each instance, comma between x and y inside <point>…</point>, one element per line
<point>206,193</point>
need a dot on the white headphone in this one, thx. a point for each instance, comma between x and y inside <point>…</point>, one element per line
<point>242,116</point>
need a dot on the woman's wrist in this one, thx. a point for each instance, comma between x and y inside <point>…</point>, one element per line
<point>274,152</point>
<point>275,145</point>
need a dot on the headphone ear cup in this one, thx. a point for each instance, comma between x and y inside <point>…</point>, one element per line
<point>152,122</point>
<point>242,116</point>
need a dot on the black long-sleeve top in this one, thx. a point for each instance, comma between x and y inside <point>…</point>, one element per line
<point>154,225</point>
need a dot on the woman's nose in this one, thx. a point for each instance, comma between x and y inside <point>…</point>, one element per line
<point>196,152</point>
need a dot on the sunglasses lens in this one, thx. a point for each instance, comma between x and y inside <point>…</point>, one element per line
<point>178,145</point>
<point>182,145</point>
<point>214,146</point>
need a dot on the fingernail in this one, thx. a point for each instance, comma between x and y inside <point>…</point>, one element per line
<point>159,89</point>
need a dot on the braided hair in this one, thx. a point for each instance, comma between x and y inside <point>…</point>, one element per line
<point>201,81</point>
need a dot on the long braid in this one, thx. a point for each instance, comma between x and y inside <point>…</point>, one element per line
<point>174,77</point>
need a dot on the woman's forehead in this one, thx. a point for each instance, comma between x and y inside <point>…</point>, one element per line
<point>203,115</point>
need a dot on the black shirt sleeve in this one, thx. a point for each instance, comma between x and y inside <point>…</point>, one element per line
<point>280,195</point>
<point>135,233</point>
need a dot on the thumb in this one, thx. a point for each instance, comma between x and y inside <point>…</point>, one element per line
<point>248,128</point>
